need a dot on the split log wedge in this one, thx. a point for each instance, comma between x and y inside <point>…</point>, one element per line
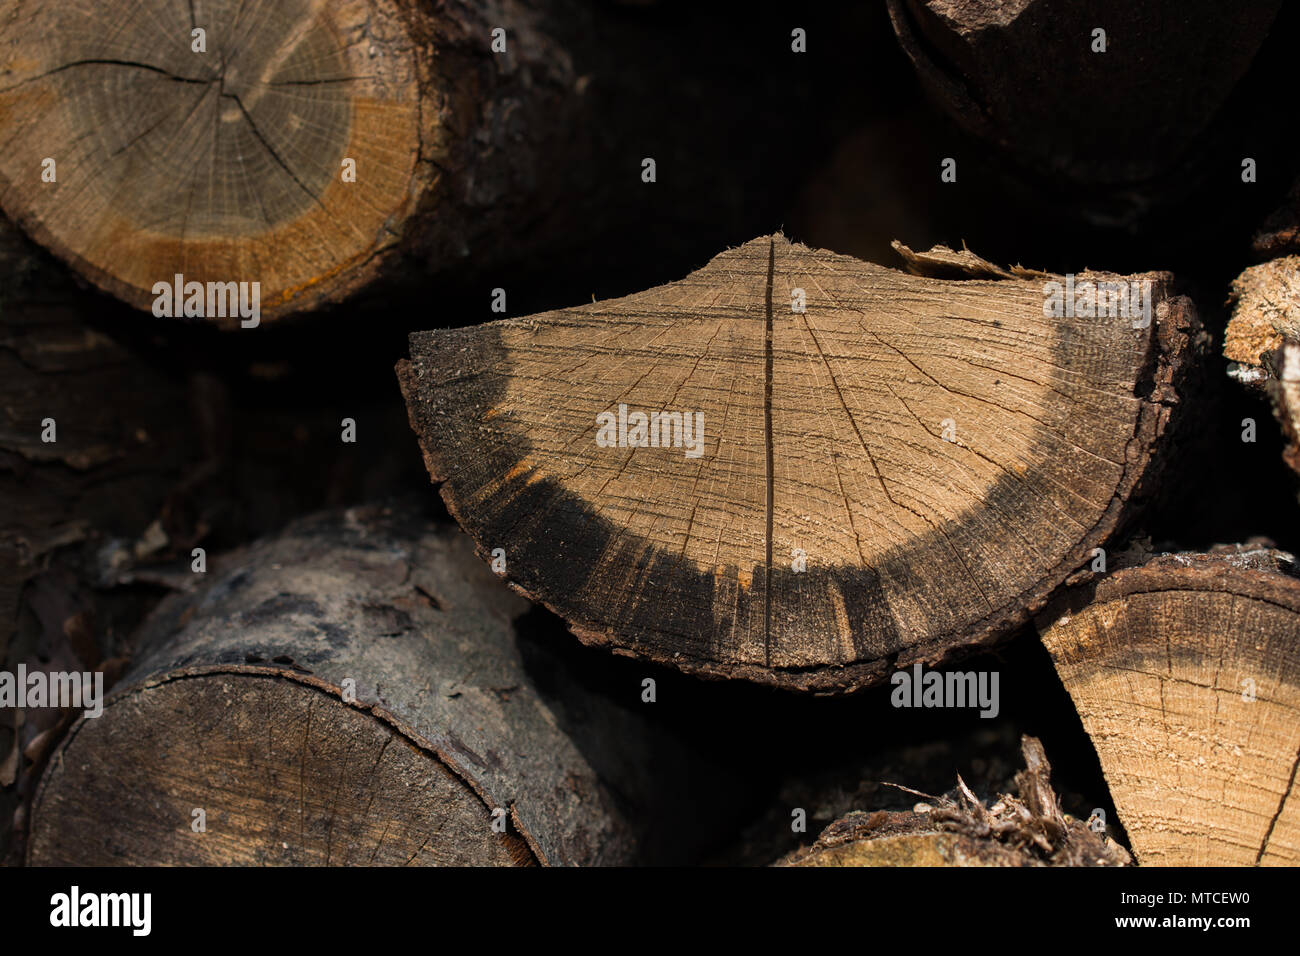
<point>847,467</point>
<point>349,692</point>
<point>1186,674</point>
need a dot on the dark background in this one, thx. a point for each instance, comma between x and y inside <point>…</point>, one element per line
<point>841,149</point>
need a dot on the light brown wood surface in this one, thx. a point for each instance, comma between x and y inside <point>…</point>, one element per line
<point>220,165</point>
<point>940,452</point>
<point>1186,675</point>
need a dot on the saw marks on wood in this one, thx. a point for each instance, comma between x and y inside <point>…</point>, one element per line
<point>1186,674</point>
<point>903,466</point>
<point>224,164</point>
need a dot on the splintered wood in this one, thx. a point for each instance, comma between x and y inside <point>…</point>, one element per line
<point>1262,342</point>
<point>796,467</point>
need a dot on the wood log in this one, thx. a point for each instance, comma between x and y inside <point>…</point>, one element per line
<point>871,468</point>
<point>959,830</point>
<point>226,156</point>
<point>316,148</point>
<point>1262,342</point>
<point>1029,77</point>
<point>1186,674</point>
<point>348,692</point>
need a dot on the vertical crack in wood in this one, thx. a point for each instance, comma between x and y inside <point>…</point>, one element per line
<point>767,430</point>
<point>1263,846</point>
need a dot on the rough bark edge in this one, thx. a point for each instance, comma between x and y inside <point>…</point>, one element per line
<point>1175,337</point>
<point>1255,571</point>
<point>1280,233</point>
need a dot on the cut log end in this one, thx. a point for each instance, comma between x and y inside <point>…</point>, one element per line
<point>280,773</point>
<point>349,692</point>
<point>275,143</point>
<point>1186,675</point>
<point>793,466</point>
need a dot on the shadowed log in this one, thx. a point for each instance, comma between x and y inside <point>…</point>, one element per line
<point>1186,674</point>
<point>1032,77</point>
<point>82,480</point>
<point>349,692</point>
<point>847,467</point>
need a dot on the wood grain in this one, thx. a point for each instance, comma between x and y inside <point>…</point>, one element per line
<point>220,165</point>
<point>825,433</point>
<point>1186,675</point>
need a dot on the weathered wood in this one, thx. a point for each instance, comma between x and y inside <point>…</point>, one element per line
<point>1186,674</point>
<point>481,133</point>
<point>1024,76</point>
<point>940,454</point>
<point>1262,342</point>
<point>348,692</point>
<point>958,830</point>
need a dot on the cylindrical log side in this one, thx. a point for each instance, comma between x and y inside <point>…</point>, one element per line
<point>348,692</point>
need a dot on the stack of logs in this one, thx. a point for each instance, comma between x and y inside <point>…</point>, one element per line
<point>790,467</point>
